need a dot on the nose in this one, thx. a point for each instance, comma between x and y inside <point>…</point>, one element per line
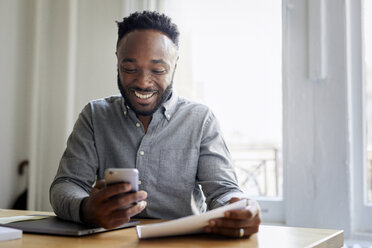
<point>144,78</point>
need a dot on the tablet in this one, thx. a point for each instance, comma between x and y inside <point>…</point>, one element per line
<point>56,226</point>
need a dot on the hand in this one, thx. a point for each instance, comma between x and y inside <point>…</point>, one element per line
<point>247,220</point>
<point>104,206</point>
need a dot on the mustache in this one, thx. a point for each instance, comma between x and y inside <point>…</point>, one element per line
<point>146,90</point>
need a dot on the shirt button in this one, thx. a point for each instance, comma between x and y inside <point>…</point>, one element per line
<point>138,125</point>
<point>139,182</point>
<point>125,112</point>
<point>142,153</point>
<point>168,116</point>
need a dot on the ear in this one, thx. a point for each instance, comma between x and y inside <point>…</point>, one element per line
<point>175,66</point>
<point>117,63</point>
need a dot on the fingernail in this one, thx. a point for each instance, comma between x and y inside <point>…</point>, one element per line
<point>212,223</point>
<point>127,187</point>
<point>143,204</point>
<point>227,214</point>
<point>142,195</point>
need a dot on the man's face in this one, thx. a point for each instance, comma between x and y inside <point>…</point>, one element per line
<point>146,64</point>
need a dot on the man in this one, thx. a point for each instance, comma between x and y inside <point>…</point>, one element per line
<point>175,144</point>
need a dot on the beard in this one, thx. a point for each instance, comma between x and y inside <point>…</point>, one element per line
<point>164,96</point>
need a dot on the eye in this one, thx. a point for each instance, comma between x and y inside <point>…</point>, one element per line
<point>129,71</point>
<point>159,72</point>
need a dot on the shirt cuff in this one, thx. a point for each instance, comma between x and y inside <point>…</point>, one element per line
<point>66,199</point>
<point>224,200</point>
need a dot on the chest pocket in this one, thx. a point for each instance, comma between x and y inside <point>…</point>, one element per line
<point>177,169</point>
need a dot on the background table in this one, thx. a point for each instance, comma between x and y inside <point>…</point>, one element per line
<point>268,236</point>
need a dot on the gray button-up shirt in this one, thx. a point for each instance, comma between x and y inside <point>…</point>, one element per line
<point>182,158</point>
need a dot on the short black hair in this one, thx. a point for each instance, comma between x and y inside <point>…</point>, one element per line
<point>148,20</point>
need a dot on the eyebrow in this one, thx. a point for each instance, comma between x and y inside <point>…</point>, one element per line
<point>154,61</point>
<point>128,60</point>
<point>157,61</point>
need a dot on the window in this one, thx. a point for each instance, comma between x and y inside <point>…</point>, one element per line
<point>368,77</point>
<point>231,51</point>
<point>360,64</point>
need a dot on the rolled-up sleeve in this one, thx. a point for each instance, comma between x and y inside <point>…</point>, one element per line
<point>77,169</point>
<point>216,174</point>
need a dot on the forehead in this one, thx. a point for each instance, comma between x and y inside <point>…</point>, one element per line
<point>150,43</point>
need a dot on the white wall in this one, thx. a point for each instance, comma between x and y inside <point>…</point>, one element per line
<point>317,119</point>
<point>16,40</point>
<point>56,55</point>
<point>74,62</point>
<point>96,45</point>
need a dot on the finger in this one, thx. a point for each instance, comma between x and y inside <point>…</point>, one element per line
<point>249,212</point>
<point>100,184</point>
<point>112,190</point>
<point>241,214</point>
<point>139,207</point>
<point>121,216</point>
<point>234,223</point>
<point>234,199</point>
<point>229,223</point>
<point>131,211</point>
<point>253,207</point>
<point>111,216</point>
<point>256,221</point>
<point>124,200</point>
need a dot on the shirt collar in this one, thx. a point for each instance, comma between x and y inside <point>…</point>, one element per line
<point>124,107</point>
<point>170,106</point>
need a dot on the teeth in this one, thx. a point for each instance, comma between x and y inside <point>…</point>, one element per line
<point>142,96</point>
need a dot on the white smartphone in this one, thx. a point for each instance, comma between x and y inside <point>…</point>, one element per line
<point>122,175</point>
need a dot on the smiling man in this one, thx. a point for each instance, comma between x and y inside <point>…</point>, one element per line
<point>146,63</point>
<point>175,144</point>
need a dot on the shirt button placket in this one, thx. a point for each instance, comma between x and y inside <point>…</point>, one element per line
<point>140,161</point>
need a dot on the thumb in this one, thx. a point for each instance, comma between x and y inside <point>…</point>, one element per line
<point>234,199</point>
<point>100,184</point>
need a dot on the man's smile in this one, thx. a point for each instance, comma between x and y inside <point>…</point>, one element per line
<point>144,96</point>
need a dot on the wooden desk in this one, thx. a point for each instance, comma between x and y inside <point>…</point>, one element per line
<point>268,236</point>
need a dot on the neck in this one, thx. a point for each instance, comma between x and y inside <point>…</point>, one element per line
<point>145,121</point>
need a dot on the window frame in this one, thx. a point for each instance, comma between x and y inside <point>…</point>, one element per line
<point>362,227</point>
<point>336,168</point>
